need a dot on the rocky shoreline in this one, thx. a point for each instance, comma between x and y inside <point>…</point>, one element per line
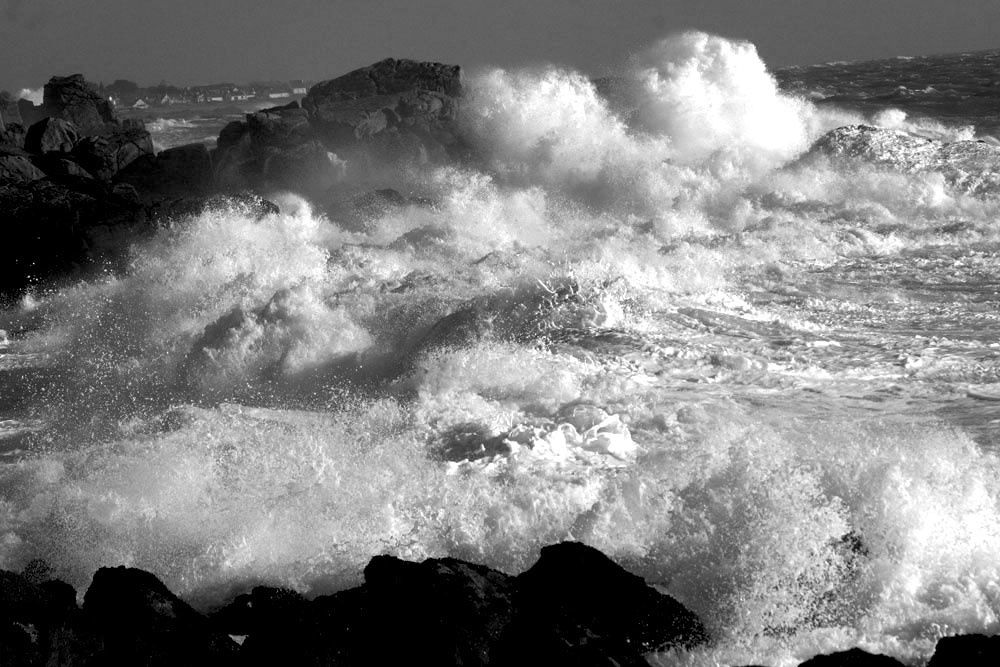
<point>78,185</point>
<point>574,606</point>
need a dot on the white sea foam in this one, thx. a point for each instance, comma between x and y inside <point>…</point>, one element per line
<point>709,94</point>
<point>609,326</point>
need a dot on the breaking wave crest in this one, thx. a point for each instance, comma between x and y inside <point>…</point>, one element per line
<point>604,327</point>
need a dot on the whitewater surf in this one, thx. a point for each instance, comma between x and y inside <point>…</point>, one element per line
<point>667,314</point>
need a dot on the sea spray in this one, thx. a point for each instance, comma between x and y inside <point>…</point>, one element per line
<point>735,365</point>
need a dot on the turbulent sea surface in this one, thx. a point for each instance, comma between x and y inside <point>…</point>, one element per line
<point>767,379</point>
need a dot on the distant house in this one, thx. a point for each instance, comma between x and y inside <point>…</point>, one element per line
<point>299,87</point>
<point>171,99</point>
<point>140,104</point>
<point>279,94</point>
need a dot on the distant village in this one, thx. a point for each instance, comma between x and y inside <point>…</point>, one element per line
<point>124,94</point>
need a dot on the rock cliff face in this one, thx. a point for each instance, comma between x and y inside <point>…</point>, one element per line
<point>72,98</point>
<point>389,112</point>
<point>59,192</point>
<point>71,170</point>
<point>398,105</point>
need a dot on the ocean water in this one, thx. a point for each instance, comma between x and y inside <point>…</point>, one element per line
<point>651,319</point>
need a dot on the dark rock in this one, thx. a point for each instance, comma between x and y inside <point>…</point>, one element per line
<point>58,226</point>
<point>59,168</point>
<point>142,623</point>
<point>18,168</point>
<point>454,611</point>
<point>9,112</point>
<point>404,107</point>
<point>439,612</point>
<point>576,606</point>
<point>107,154</point>
<point>855,657</point>
<point>967,651</point>
<point>40,623</point>
<point>30,114</point>
<point>274,150</point>
<point>231,134</point>
<point>281,128</point>
<point>12,136</point>
<point>308,168</point>
<point>72,98</point>
<point>262,608</point>
<point>51,135</point>
<point>183,171</point>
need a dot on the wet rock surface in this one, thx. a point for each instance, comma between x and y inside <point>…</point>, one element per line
<point>62,164</point>
<point>855,657</point>
<point>451,612</point>
<point>574,606</point>
<point>970,166</point>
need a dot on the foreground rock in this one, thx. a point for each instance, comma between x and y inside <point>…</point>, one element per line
<point>140,622</point>
<point>574,607</point>
<point>852,658</point>
<point>967,651</point>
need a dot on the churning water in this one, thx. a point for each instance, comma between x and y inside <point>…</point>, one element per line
<point>761,376</point>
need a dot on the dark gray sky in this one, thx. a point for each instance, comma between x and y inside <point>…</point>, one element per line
<point>201,41</point>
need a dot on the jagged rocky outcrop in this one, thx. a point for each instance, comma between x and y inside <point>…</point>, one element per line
<point>71,98</point>
<point>393,110</point>
<point>854,657</point>
<point>451,612</point>
<point>969,166</point>
<point>55,225</point>
<point>573,607</point>
<point>394,105</point>
<point>70,165</point>
<point>138,621</point>
<point>275,149</point>
<point>78,182</point>
<point>179,172</point>
<point>51,135</point>
<point>439,612</point>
